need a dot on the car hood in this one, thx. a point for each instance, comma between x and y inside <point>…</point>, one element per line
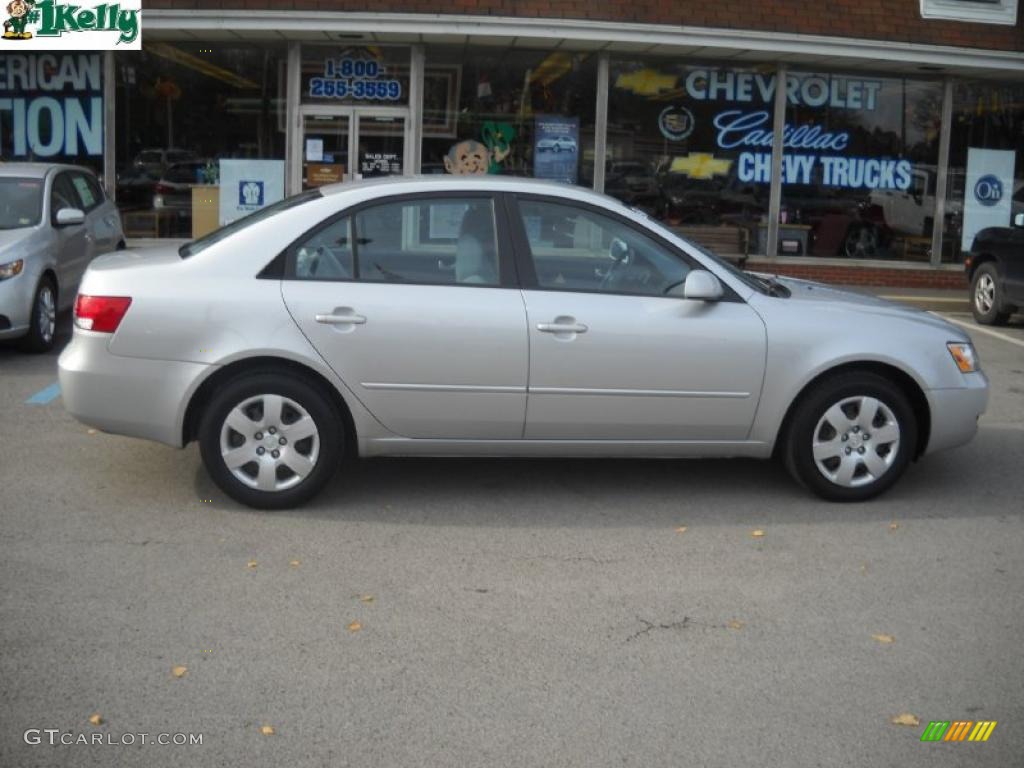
<point>840,299</point>
<point>11,239</point>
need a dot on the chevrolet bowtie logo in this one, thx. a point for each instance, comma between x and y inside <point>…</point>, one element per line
<point>700,165</point>
<point>645,82</point>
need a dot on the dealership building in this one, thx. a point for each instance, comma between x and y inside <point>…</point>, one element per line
<point>860,141</point>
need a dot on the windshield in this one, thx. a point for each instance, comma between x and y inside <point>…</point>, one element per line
<point>21,202</point>
<point>197,246</point>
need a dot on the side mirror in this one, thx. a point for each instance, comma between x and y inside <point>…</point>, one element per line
<point>1018,220</point>
<point>702,286</point>
<point>69,217</point>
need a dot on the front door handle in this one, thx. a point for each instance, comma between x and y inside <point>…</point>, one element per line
<point>562,324</point>
<point>339,319</point>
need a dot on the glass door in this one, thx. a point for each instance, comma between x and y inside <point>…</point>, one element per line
<point>326,149</point>
<point>380,143</point>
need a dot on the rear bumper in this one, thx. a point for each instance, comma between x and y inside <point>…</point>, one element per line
<point>955,412</point>
<point>129,396</point>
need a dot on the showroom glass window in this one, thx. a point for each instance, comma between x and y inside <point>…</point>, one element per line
<point>51,108</point>
<point>182,108</point>
<point>986,161</point>
<point>505,110</point>
<point>860,155</point>
<point>669,155</point>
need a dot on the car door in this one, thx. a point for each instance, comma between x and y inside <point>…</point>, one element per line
<point>101,222</point>
<point>73,242</point>
<point>615,354</point>
<point>412,302</point>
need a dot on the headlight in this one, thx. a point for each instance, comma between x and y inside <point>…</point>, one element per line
<point>11,269</point>
<point>964,356</point>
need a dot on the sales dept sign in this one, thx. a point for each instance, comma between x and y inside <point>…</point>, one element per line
<point>50,25</point>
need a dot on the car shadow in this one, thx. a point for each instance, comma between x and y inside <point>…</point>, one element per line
<point>553,492</point>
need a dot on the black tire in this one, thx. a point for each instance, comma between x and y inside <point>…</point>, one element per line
<point>986,281</point>
<point>810,412</point>
<point>862,241</point>
<point>308,397</point>
<point>42,333</point>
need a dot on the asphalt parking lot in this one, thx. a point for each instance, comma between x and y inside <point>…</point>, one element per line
<point>506,613</point>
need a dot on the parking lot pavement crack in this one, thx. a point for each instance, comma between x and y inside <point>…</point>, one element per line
<point>650,626</point>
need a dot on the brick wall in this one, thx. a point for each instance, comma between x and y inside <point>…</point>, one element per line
<point>895,20</point>
<point>868,276</point>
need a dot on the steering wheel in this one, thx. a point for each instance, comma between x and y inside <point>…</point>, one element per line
<point>671,286</point>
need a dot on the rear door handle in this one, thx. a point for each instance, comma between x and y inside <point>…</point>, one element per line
<point>333,319</point>
<point>561,327</point>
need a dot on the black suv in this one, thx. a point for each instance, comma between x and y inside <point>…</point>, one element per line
<point>995,270</point>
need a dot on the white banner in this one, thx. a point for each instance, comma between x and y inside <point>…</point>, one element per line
<point>248,185</point>
<point>87,25</point>
<point>988,191</point>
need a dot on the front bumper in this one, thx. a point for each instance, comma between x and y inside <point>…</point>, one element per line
<point>955,412</point>
<point>16,295</point>
<point>128,396</point>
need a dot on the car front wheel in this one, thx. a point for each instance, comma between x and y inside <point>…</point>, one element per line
<point>43,325</point>
<point>987,296</point>
<point>851,437</point>
<point>270,441</point>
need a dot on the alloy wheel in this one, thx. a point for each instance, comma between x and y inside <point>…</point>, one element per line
<point>985,293</point>
<point>269,442</point>
<point>46,313</point>
<point>856,441</point>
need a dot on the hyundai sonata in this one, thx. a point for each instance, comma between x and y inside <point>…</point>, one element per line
<point>499,317</point>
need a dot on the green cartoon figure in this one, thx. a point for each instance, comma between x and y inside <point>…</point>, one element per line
<point>14,27</point>
<point>498,138</point>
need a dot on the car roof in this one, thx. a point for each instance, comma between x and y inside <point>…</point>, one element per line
<point>35,170</point>
<point>401,185</point>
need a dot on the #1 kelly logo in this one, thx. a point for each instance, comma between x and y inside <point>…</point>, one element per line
<point>51,25</point>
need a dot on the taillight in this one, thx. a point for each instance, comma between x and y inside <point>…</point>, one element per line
<point>163,189</point>
<point>100,313</point>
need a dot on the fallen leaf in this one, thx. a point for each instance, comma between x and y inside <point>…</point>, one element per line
<point>893,526</point>
<point>179,671</point>
<point>906,719</point>
<point>92,431</point>
<point>295,563</point>
<point>96,719</point>
<point>758,534</point>
<point>267,730</point>
<point>251,564</point>
<point>355,626</point>
<point>735,624</point>
<point>681,529</point>
<point>366,598</point>
<point>884,639</point>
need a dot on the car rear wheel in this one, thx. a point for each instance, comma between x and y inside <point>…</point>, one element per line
<point>43,324</point>
<point>851,437</point>
<point>987,296</point>
<point>270,441</point>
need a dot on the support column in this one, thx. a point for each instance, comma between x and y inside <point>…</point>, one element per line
<point>601,122</point>
<point>771,247</point>
<point>942,174</point>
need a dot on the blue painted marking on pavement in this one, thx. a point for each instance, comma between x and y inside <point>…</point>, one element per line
<point>44,396</point>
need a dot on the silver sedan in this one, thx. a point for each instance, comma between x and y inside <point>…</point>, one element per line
<point>500,317</point>
<point>54,219</point>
